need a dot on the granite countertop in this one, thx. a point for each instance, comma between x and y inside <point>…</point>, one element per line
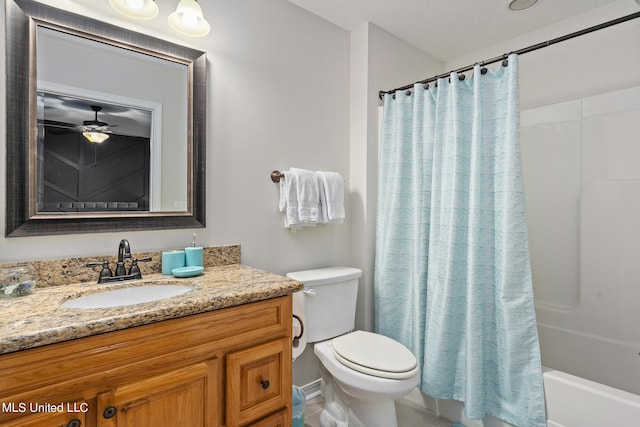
<point>38,319</point>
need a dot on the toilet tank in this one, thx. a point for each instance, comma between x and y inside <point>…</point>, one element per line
<point>328,301</point>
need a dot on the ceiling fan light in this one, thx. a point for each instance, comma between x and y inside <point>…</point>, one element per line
<point>137,9</point>
<point>96,137</point>
<point>189,20</point>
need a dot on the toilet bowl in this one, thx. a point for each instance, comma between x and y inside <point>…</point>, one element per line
<point>370,391</point>
<point>363,373</point>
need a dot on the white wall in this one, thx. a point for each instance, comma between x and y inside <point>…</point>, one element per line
<point>598,62</point>
<point>379,61</point>
<point>278,96</point>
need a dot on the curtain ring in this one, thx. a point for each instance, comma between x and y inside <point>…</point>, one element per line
<point>426,86</point>
<point>461,77</point>
<point>408,93</point>
<point>483,70</point>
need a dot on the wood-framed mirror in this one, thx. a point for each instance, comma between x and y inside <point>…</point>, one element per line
<point>105,127</point>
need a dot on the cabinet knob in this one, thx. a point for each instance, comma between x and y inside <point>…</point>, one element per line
<point>109,412</point>
<point>265,384</point>
<point>74,423</point>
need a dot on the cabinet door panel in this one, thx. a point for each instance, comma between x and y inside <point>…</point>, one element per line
<point>180,398</point>
<point>52,419</point>
<point>255,381</point>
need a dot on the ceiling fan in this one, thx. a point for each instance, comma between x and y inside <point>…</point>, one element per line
<point>95,130</point>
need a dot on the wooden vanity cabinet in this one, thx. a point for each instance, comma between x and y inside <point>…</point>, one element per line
<point>256,381</point>
<point>177,398</point>
<point>229,367</point>
<point>46,419</point>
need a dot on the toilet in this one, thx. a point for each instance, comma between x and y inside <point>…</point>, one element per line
<point>363,373</point>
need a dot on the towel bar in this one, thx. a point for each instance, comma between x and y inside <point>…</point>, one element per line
<point>276,176</point>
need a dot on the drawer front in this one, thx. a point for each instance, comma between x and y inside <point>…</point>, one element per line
<point>258,382</point>
<point>279,419</point>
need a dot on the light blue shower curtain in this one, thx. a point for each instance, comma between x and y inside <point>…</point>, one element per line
<point>452,275</point>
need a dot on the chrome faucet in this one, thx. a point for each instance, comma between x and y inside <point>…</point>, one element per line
<point>120,274</point>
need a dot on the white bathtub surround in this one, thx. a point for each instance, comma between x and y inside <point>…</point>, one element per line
<point>582,211</point>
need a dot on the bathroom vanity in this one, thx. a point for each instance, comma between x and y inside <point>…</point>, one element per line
<point>217,356</point>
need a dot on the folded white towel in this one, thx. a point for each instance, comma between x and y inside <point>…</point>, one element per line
<point>331,197</point>
<point>323,218</point>
<point>308,198</point>
<point>299,198</point>
<point>289,200</point>
<point>307,193</point>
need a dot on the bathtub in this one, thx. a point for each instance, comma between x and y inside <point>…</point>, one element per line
<point>584,250</point>
<point>571,402</point>
<point>575,402</point>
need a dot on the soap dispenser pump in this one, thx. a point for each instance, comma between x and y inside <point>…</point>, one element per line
<point>193,254</point>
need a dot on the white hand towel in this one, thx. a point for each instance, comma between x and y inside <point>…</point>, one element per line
<point>299,198</point>
<point>322,206</point>
<point>332,199</point>
<point>308,195</point>
<point>289,199</point>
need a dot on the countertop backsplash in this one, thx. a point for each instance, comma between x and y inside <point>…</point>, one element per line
<point>73,270</point>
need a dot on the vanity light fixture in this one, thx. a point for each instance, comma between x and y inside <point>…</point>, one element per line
<point>137,9</point>
<point>518,5</point>
<point>189,20</point>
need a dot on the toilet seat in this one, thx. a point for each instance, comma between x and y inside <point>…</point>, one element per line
<point>374,354</point>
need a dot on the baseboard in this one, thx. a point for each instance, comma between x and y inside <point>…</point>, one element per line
<point>312,389</point>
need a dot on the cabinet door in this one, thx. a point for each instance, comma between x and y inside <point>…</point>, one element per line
<point>65,418</point>
<point>181,398</point>
<point>258,383</point>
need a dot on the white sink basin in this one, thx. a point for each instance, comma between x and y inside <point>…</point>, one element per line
<point>126,296</point>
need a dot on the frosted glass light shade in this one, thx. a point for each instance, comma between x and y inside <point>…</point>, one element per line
<point>95,136</point>
<point>189,20</point>
<point>137,9</point>
<point>518,5</point>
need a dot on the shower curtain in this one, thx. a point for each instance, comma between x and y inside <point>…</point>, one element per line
<point>452,278</point>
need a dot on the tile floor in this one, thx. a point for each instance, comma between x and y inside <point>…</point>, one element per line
<point>409,415</point>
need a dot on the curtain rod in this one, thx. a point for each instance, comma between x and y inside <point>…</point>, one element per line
<point>520,51</point>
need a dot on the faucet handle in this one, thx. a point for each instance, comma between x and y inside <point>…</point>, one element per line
<point>104,273</point>
<point>135,270</point>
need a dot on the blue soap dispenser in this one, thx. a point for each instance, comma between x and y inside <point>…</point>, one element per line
<point>193,254</point>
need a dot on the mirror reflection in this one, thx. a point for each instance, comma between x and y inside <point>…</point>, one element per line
<point>103,127</point>
<point>73,81</point>
<point>100,163</point>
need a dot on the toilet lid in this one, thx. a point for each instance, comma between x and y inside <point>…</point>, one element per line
<point>375,354</point>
